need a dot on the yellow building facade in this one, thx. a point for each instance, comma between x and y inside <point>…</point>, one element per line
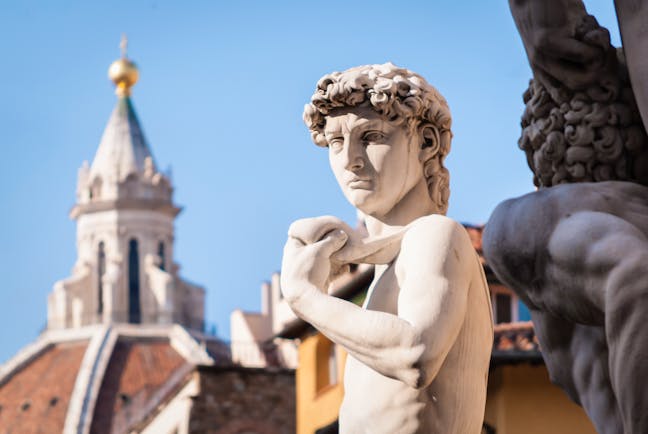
<point>318,383</point>
<point>520,400</point>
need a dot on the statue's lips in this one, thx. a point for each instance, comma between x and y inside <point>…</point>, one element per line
<point>360,184</point>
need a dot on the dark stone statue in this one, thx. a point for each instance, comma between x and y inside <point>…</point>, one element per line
<point>576,250</point>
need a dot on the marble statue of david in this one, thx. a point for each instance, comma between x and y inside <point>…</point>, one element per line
<point>419,348</point>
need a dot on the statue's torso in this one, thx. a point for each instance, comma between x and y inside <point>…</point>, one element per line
<point>562,270</point>
<point>377,404</point>
<point>548,266</point>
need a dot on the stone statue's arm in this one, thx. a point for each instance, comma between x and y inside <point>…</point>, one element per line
<point>548,29</point>
<point>434,271</point>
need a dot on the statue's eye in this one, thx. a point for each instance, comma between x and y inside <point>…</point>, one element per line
<point>373,136</point>
<point>336,143</point>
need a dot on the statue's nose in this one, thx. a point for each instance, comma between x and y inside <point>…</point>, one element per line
<point>354,155</point>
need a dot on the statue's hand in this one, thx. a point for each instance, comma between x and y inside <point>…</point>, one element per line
<point>307,255</point>
<point>555,52</point>
<point>571,62</point>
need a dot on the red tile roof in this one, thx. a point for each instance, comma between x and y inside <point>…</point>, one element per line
<point>35,398</point>
<point>516,341</point>
<point>136,373</point>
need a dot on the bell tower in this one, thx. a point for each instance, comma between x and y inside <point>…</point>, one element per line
<point>124,272</point>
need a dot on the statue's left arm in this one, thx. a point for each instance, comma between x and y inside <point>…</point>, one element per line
<point>434,270</point>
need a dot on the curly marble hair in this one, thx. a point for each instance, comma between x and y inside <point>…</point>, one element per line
<point>399,95</point>
<point>590,135</point>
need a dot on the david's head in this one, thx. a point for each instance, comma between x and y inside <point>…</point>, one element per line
<point>388,132</point>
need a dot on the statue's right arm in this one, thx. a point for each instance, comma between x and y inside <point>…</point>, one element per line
<point>434,281</point>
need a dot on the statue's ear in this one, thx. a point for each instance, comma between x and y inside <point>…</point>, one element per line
<point>431,142</point>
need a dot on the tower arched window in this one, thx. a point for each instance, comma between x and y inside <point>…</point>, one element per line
<point>95,188</point>
<point>134,311</point>
<point>162,256</point>
<point>101,270</point>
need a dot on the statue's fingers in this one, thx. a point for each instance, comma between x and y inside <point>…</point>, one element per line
<point>573,76</point>
<point>295,242</point>
<point>312,230</point>
<point>332,242</point>
<point>572,50</point>
<point>292,247</point>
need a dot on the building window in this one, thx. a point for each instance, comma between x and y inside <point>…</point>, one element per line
<point>161,256</point>
<point>523,312</point>
<point>505,304</point>
<point>134,313</point>
<point>101,270</point>
<point>95,188</point>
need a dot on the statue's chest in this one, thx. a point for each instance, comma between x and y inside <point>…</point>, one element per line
<point>383,292</point>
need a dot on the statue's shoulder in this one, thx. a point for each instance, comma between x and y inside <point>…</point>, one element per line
<point>519,229</point>
<point>512,219</point>
<point>434,225</point>
<point>435,236</point>
<point>436,246</point>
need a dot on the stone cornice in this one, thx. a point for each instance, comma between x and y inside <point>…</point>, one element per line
<point>159,205</point>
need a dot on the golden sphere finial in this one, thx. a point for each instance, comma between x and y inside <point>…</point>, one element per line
<point>123,72</point>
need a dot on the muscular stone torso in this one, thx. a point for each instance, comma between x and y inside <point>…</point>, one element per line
<point>545,264</point>
<point>377,404</point>
<point>562,269</point>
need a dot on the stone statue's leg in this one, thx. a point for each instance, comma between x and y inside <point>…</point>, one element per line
<point>577,360</point>
<point>609,257</point>
<point>606,259</point>
<point>555,335</point>
<point>591,378</point>
<point>627,333</point>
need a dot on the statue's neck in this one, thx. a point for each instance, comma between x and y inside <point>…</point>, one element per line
<point>385,232</point>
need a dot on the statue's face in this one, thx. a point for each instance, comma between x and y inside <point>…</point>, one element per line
<point>375,161</point>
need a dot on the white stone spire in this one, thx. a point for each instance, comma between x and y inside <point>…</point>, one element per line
<point>123,149</point>
<point>123,167</point>
<point>125,214</point>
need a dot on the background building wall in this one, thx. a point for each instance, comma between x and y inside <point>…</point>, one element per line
<point>236,400</point>
<point>521,399</point>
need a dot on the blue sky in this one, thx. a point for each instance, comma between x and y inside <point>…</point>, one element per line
<point>221,91</point>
